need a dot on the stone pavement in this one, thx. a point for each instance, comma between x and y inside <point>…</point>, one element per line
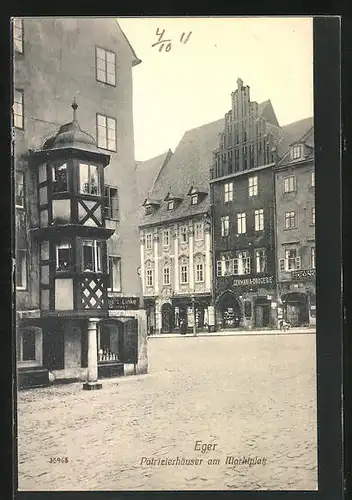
<point>254,396</point>
<point>224,333</point>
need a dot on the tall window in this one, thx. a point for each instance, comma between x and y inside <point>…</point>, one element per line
<point>106,66</point>
<point>260,260</point>
<point>291,261</point>
<point>63,256</point>
<point>89,179</point>
<point>19,190</point>
<point>312,257</point>
<point>59,173</point>
<point>312,179</point>
<point>150,277</point>
<point>18,109</point>
<point>259,220</point>
<point>106,130</point>
<point>166,275</point>
<point>228,191</point>
<point>313,215</point>
<point>114,270</point>
<point>92,256</point>
<point>225,225</point>
<point>290,220</point>
<point>111,208</point>
<point>21,269</point>
<point>253,186</point>
<point>290,184</point>
<point>199,273</point>
<point>198,231</point>
<point>18,35</point>
<point>184,273</point>
<point>166,238</point>
<point>242,263</point>
<point>148,241</point>
<point>184,235</point>
<point>241,223</point>
<point>296,152</point>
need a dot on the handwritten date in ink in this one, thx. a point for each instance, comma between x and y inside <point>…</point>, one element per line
<point>167,42</point>
<point>58,460</point>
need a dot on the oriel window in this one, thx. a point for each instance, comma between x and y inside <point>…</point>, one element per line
<point>18,34</point>
<point>89,179</point>
<point>106,131</point>
<point>105,66</point>
<point>63,256</point>
<point>59,173</point>
<point>92,256</point>
<point>18,109</point>
<point>19,190</point>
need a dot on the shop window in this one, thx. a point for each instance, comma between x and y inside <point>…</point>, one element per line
<point>111,207</point>
<point>18,114</point>
<point>21,269</point>
<point>290,184</point>
<point>114,270</point>
<point>89,179</point>
<point>19,190</point>
<point>241,223</point>
<point>225,225</point>
<point>92,256</point>
<point>259,220</point>
<point>105,66</point>
<point>63,256</point>
<point>18,35</point>
<point>59,173</point>
<point>253,186</point>
<point>106,132</point>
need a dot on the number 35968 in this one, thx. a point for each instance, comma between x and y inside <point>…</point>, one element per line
<point>58,460</point>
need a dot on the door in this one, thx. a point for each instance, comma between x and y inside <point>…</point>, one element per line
<point>53,346</point>
<point>259,316</point>
<point>167,317</point>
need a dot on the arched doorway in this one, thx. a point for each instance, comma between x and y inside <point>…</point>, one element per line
<point>229,310</point>
<point>296,310</point>
<point>262,308</point>
<point>167,318</point>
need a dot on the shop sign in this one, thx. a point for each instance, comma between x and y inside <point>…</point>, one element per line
<point>263,280</point>
<point>123,303</point>
<point>303,274</point>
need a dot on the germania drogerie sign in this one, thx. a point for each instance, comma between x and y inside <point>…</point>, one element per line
<point>123,303</point>
<point>303,274</point>
<point>262,280</point>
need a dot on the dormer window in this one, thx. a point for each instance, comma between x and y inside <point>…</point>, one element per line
<point>296,152</point>
<point>194,199</point>
<point>170,205</point>
<point>148,209</point>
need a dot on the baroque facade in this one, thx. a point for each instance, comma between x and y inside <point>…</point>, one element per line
<point>86,192</point>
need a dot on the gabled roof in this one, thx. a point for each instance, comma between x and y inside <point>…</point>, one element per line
<point>146,173</point>
<point>294,132</point>
<point>266,110</point>
<point>188,166</point>
<point>135,59</point>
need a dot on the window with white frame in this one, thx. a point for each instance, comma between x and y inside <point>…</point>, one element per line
<point>289,184</point>
<point>184,273</point>
<point>92,256</point>
<point>106,132</point>
<point>227,266</point>
<point>166,238</point>
<point>63,256</point>
<point>225,225</point>
<point>18,34</point>
<point>228,191</point>
<point>253,186</point>
<point>313,215</point>
<point>150,277</point>
<point>312,179</point>
<point>21,269</point>
<point>241,223</point>
<point>111,205</point>
<point>312,257</point>
<point>259,220</point>
<point>290,220</point>
<point>296,152</point>
<point>199,273</point>
<point>19,189</point>
<point>59,175</point>
<point>105,66</point>
<point>89,179</point>
<point>166,275</point>
<point>198,231</point>
<point>114,271</point>
<point>260,260</point>
<point>184,234</point>
<point>18,114</point>
<point>292,261</point>
<point>148,241</point>
<point>170,205</point>
<point>194,199</point>
<point>242,263</point>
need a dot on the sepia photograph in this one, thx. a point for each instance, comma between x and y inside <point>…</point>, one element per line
<point>165,253</point>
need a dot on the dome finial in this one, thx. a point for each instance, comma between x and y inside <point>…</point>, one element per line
<point>74,106</point>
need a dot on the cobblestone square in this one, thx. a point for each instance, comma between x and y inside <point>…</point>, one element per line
<point>252,395</point>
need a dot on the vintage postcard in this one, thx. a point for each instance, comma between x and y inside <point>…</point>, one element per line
<point>164,203</point>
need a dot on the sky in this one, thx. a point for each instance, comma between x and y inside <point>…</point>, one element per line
<point>190,84</point>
